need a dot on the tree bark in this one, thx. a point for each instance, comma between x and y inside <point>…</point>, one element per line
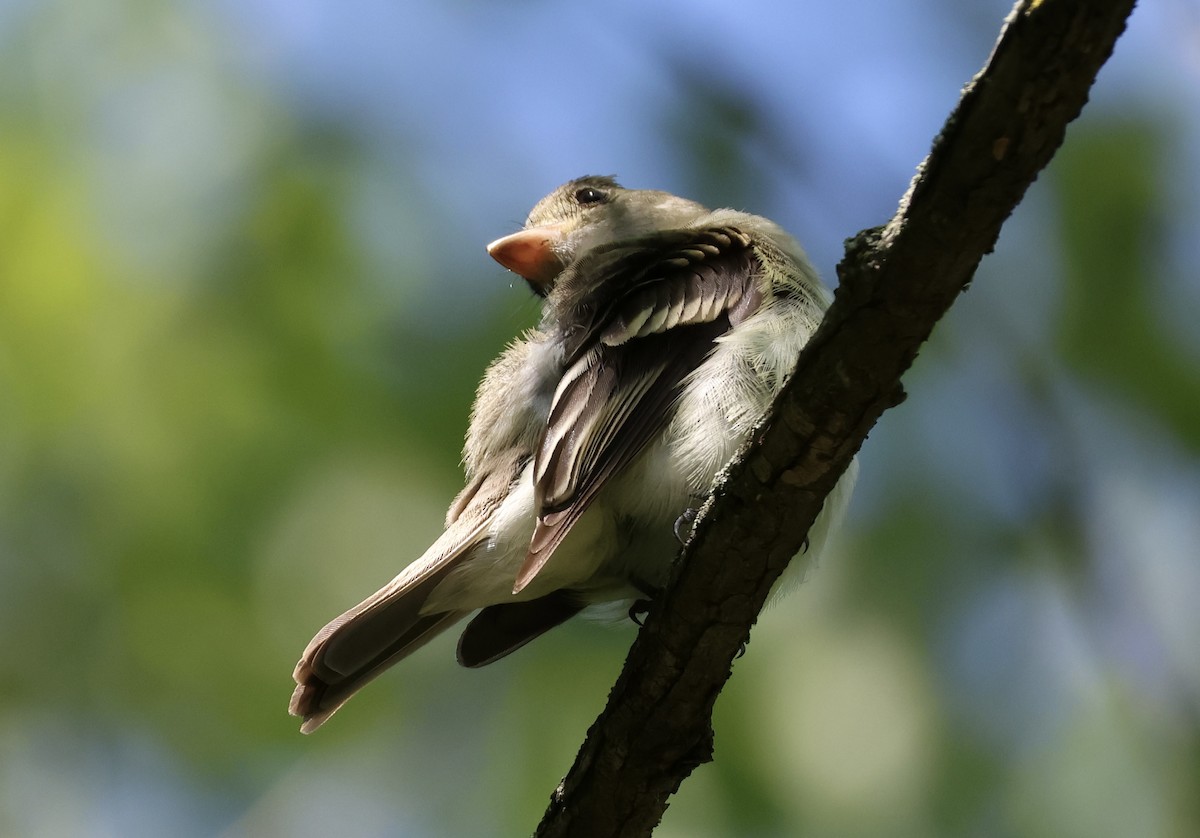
<point>896,281</point>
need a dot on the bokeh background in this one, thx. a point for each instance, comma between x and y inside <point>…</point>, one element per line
<point>244,303</point>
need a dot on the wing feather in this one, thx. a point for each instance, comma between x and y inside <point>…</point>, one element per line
<point>636,319</point>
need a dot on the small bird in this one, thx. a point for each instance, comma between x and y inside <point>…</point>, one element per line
<point>667,330</point>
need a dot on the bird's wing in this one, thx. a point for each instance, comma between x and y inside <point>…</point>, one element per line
<point>390,624</point>
<point>636,318</point>
<point>501,629</point>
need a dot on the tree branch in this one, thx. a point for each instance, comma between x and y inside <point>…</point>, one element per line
<point>895,283</point>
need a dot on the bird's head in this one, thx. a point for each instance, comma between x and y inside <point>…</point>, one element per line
<point>583,214</point>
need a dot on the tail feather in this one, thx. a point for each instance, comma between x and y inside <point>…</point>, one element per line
<point>382,629</point>
<point>321,691</point>
<point>393,623</point>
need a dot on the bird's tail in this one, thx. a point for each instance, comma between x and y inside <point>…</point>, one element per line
<point>355,648</point>
<point>382,629</point>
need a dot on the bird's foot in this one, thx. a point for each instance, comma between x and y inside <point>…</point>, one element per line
<point>639,610</point>
<point>684,524</point>
<point>642,605</point>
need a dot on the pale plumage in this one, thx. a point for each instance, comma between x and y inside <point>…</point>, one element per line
<point>667,331</point>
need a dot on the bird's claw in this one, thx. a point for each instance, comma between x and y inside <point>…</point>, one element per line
<point>638,610</point>
<point>687,519</point>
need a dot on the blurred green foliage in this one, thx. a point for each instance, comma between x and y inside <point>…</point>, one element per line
<point>1114,212</point>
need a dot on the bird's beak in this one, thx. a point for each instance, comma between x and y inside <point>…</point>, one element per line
<point>532,254</point>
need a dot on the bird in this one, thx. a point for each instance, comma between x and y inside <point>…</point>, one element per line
<point>667,329</point>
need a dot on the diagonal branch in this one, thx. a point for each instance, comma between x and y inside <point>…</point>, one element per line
<point>895,283</point>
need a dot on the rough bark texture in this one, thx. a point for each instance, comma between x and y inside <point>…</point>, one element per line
<point>895,283</point>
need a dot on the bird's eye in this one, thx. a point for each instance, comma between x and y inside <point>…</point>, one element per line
<point>587,195</point>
